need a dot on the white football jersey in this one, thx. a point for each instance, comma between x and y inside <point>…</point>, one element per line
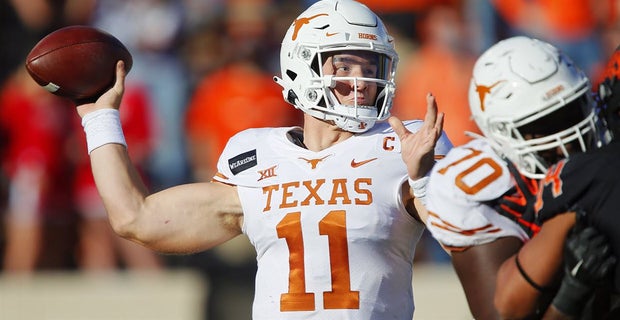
<point>459,186</point>
<point>332,238</point>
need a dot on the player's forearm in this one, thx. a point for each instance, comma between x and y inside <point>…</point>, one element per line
<point>514,297</point>
<point>120,187</point>
<point>522,279</point>
<point>540,258</point>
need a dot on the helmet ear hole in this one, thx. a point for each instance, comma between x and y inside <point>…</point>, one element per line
<point>291,74</point>
<point>316,66</point>
<point>322,103</point>
<point>291,97</point>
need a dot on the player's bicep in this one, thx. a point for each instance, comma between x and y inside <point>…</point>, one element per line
<point>540,260</point>
<point>191,218</point>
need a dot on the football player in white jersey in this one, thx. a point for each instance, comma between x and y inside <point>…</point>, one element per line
<point>534,107</point>
<point>329,208</point>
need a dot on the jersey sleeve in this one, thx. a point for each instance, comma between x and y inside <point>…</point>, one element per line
<point>460,186</point>
<point>239,156</point>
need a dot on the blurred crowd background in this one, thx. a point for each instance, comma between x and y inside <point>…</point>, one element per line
<point>202,72</point>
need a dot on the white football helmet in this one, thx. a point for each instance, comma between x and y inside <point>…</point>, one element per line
<point>327,27</point>
<point>533,104</point>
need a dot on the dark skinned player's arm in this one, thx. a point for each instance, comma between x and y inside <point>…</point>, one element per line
<point>541,260</point>
<point>477,268</point>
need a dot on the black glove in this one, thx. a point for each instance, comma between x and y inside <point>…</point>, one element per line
<point>588,262</point>
<point>517,204</point>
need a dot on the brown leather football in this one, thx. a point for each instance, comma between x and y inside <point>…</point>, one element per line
<point>77,62</point>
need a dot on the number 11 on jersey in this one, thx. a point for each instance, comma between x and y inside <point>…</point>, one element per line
<point>333,225</point>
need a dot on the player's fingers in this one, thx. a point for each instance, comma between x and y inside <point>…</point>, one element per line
<point>433,119</point>
<point>439,123</point>
<point>431,110</point>
<point>112,97</point>
<point>398,127</point>
<point>121,73</point>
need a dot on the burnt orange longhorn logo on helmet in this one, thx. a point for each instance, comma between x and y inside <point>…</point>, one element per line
<point>484,90</point>
<point>300,22</point>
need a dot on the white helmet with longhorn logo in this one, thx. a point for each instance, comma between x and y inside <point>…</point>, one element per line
<point>533,104</point>
<point>325,28</point>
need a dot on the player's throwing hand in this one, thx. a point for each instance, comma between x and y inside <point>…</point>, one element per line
<point>111,98</point>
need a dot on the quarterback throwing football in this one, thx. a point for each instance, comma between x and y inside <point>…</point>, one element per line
<point>328,207</point>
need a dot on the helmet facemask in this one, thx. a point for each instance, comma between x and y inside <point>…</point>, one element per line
<point>360,112</point>
<point>542,140</point>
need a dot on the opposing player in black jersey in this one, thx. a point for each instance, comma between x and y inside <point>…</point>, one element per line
<point>576,247</point>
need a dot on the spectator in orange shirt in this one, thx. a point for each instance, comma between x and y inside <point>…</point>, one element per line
<point>236,97</point>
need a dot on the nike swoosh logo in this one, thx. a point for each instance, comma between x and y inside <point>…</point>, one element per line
<point>355,164</point>
<point>327,34</point>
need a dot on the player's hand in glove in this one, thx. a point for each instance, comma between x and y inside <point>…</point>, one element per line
<point>517,204</point>
<point>588,262</point>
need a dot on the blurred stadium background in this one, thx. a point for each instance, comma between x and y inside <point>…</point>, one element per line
<point>190,57</point>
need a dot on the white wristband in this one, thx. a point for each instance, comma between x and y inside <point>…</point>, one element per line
<point>419,188</point>
<point>102,127</point>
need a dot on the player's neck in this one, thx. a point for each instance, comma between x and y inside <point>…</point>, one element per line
<point>319,135</point>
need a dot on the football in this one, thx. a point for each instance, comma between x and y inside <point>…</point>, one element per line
<point>77,62</point>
